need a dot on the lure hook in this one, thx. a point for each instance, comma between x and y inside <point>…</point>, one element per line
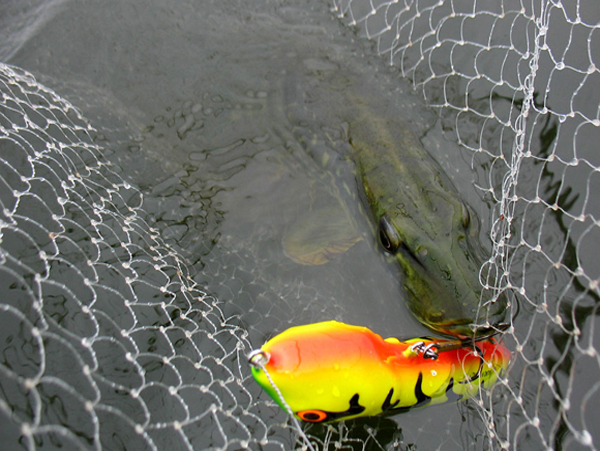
<point>430,351</point>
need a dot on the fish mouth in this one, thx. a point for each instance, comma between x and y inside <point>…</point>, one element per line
<point>472,332</point>
<point>485,318</point>
<point>445,308</point>
<point>493,310</point>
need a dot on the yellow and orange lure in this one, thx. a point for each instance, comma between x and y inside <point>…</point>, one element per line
<point>332,371</point>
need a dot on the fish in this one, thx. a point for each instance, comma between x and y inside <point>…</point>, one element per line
<point>419,216</point>
<point>319,236</point>
<point>331,371</point>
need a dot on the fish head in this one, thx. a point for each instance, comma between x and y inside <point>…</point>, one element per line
<point>438,249</point>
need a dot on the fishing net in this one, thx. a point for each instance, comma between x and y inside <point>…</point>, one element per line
<point>122,327</point>
<point>516,82</point>
<point>100,317</point>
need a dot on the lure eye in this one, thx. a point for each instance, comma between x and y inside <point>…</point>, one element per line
<point>388,235</point>
<point>312,416</point>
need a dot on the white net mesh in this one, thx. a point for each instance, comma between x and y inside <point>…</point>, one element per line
<point>128,305</point>
<point>517,82</point>
<point>107,342</point>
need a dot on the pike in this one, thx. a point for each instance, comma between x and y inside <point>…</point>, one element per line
<point>421,220</point>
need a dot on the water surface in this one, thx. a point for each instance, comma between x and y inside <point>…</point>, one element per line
<point>189,102</point>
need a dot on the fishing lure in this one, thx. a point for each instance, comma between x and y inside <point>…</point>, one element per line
<point>332,371</point>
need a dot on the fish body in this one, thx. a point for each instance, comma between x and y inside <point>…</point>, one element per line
<point>420,217</point>
<point>426,226</point>
<point>332,371</point>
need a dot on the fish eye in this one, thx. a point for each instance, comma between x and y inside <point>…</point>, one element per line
<point>388,235</point>
<point>312,416</point>
<point>466,216</point>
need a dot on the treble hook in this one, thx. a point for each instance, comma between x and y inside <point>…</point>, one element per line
<point>433,349</point>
